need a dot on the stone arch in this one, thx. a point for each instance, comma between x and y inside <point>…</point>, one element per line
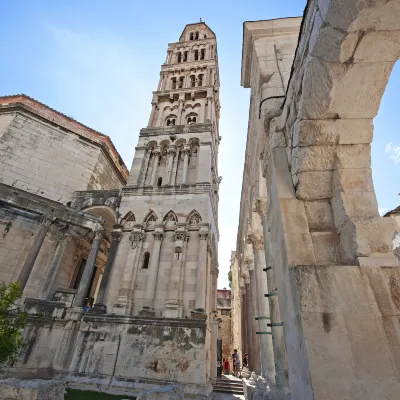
<point>150,219</point>
<point>194,218</point>
<point>106,212</point>
<point>170,219</point>
<point>128,221</point>
<point>327,122</point>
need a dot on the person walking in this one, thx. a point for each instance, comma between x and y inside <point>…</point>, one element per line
<point>236,363</point>
<point>227,367</point>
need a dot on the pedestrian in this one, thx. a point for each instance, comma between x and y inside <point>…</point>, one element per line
<point>227,367</point>
<point>245,360</point>
<point>236,363</point>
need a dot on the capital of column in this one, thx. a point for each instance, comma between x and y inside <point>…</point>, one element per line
<point>135,237</point>
<point>260,206</point>
<point>214,271</point>
<point>203,235</point>
<point>157,150</point>
<point>48,219</point>
<point>116,236</point>
<point>186,149</point>
<point>98,234</point>
<point>257,241</point>
<point>171,149</point>
<point>181,236</point>
<point>249,263</point>
<point>158,235</point>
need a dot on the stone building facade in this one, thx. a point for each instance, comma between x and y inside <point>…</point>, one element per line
<point>320,302</point>
<point>153,319</point>
<point>225,326</point>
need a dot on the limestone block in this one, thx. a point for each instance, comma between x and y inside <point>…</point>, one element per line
<point>36,389</point>
<point>378,47</point>
<point>354,205</point>
<point>316,158</point>
<point>326,247</point>
<point>171,392</point>
<point>319,215</point>
<point>314,185</point>
<point>353,156</point>
<point>294,216</point>
<point>348,46</point>
<point>299,249</point>
<point>352,180</point>
<point>315,133</point>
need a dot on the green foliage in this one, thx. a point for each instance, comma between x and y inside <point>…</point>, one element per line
<point>230,276</point>
<point>12,321</point>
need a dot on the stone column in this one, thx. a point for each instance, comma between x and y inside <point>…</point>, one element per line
<point>124,301</point>
<point>175,167</point>
<point>145,167</point>
<point>80,297</point>
<point>213,349</point>
<point>171,154</point>
<point>153,269</point>
<point>26,270</point>
<point>180,111</point>
<point>152,114</point>
<point>275,318</point>
<point>156,154</point>
<point>266,349</point>
<point>254,340</point>
<point>209,105</point>
<point>100,305</point>
<point>200,303</point>
<point>174,305</point>
<point>186,152</point>
<point>245,348</point>
<point>55,263</point>
<point>213,295</point>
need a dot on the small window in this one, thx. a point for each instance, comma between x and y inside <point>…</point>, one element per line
<point>205,36</point>
<point>192,81</point>
<point>185,56</point>
<point>173,83</point>
<point>180,83</point>
<point>146,259</point>
<point>179,57</point>
<point>196,55</point>
<point>200,80</point>
<point>202,54</point>
<point>159,181</point>
<point>191,35</point>
<point>197,36</point>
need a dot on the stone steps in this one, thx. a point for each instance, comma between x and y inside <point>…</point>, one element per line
<point>228,386</point>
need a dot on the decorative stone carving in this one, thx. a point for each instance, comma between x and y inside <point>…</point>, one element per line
<point>135,238</point>
<point>260,206</point>
<point>256,240</point>
<point>158,235</point>
<point>181,236</point>
<point>203,235</point>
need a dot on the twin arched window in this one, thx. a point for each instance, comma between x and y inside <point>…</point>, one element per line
<point>194,35</point>
<point>191,120</point>
<point>170,120</point>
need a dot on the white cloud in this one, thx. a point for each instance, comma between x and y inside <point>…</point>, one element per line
<point>383,210</point>
<point>394,152</point>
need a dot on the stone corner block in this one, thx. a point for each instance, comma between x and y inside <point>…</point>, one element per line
<point>35,389</point>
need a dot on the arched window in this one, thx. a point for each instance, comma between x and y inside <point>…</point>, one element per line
<point>179,57</point>
<point>191,35</point>
<point>180,84</point>
<point>191,119</point>
<point>173,83</point>
<point>159,181</point>
<point>197,36</point>
<point>170,120</point>
<point>205,36</point>
<point>192,81</point>
<point>202,54</point>
<point>185,56</point>
<point>146,259</point>
<point>200,80</point>
<point>196,55</point>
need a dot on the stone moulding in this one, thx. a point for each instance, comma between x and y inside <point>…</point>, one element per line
<point>163,190</point>
<point>176,129</point>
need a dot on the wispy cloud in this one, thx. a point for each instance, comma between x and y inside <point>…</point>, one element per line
<point>394,152</point>
<point>383,210</point>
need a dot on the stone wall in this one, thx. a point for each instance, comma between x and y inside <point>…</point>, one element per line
<point>49,161</point>
<point>121,355</point>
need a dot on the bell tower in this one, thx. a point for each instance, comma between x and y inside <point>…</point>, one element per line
<point>166,265</point>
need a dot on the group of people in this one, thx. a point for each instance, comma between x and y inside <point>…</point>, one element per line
<point>235,363</point>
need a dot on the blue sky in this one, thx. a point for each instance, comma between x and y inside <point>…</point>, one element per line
<point>98,61</point>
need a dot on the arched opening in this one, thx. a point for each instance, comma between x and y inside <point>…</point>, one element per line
<point>150,219</point>
<point>200,80</point>
<point>192,80</point>
<point>196,55</point>
<point>159,181</point>
<point>146,260</point>
<point>191,35</point>
<point>181,80</point>
<point>173,83</point>
<point>185,56</point>
<point>197,35</point>
<point>193,218</point>
<point>191,118</point>
<point>179,57</point>
<point>202,54</point>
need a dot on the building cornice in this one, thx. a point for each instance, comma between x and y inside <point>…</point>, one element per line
<point>176,129</point>
<point>26,104</point>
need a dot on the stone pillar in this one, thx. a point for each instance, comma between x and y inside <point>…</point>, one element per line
<point>200,303</point>
<point>213,349</point>
<point>46,289</point>
<point>26,270</point>
<point>100,305</point>
<point>275,318</point>
<point>245,348</point>
<point>124,302</point>
<point>175,167</point>
<point>156,154</point>
<point>209,105</point>
<point>186,152</point>
<point>266,349</point>
<point>254,340</point>
<point>170,160</point>
<point>174,303</point>
<point>145,167</point>
<point>153,113</point>
<point>153,269</point>
<point>80,297</point>
<point>180,111</point>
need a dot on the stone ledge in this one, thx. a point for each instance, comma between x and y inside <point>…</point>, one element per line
<point>35,389</point>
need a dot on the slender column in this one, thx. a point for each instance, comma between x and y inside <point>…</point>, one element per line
<point>156,153</point>
<point>200,303</point>
<point>275,318</point>
<point>171,154</point>
<point>145,168</point>
<point>83,288</point>
<point>174,305</point>
<point>209,105</point>
<point>245,348</point>
<point>152,114</point>
<point>266,348</point>
<point>154,264</point>
<point>175,167</point>
<point>186,152</point>
<point>182,276</point>
<point>180,111</point>
<point>125,295</point>
<point>55,263</point>
<point>213,349</point>
<point>26,270</point>
<point>255,339</point>
<point>100,305</point>
<point>249,325</point>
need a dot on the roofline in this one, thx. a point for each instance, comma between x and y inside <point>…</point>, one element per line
<point>18,100</point>
<point>196,23</point>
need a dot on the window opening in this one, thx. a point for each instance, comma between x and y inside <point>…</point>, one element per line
<point>146,259</point>
<point>159,181</point>
<point>197,35</point>
<point>173,83</point>
<point>202,54</point>
<point>179,57</point>
<point>200,80</point>
<point>185,56</point>
<point>181,79</point>
<point>196,55</point>
<point>191,35</point>
<point>192,81</point>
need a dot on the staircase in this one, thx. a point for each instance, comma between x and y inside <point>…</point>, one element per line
<point>229,385</point>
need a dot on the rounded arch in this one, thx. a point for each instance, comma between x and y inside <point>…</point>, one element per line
<point>108,214</point>
<point>180,142</point>
<point>151,144</point>
<point>194,218</point>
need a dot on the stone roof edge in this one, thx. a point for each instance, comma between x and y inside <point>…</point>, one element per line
<point>197,23</point>
<point>70,123</point>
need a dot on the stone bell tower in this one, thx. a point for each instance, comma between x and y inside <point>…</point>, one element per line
<point>166,262</point>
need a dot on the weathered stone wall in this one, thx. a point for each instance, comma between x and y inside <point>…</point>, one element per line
<point>124,355</point>
<point>226,336</point>
<point>49,161</point>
